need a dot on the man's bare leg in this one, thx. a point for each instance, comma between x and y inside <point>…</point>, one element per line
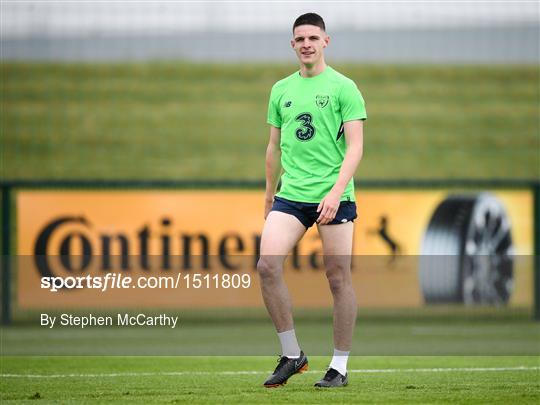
<point>337,249</point>
<point>280,233</point>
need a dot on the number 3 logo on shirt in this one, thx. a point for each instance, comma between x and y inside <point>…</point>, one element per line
<point>306,131</point>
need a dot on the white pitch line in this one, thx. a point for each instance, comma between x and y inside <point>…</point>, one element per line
<point>182,373</point>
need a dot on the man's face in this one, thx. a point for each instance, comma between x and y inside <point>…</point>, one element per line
<point>308,42</point>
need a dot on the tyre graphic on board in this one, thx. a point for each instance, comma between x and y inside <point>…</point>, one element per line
<point>466,252</point>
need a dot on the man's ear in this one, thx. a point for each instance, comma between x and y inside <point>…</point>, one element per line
<point>326,41</point>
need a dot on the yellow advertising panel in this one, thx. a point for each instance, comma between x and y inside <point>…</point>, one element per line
<point>97,240</point>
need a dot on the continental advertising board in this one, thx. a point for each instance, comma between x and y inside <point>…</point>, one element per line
<point>199,249</point>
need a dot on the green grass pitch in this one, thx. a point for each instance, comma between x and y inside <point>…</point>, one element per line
<point>152,380</point>
<point>430,355</point>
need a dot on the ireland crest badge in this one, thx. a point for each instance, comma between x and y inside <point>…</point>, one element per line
<point>322,101</point>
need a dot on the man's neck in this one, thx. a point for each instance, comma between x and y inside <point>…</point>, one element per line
<point>313,70</point>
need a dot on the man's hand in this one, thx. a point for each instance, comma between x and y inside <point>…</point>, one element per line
<point>268,202</point>
<point>328,207</point>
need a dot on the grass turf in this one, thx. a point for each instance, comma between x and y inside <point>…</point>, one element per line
<point>178,121</point>
<point>152,380</point>
<point>401,353</point>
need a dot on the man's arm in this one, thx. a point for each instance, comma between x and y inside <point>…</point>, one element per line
<point>273,168</point>
<point>354,136</point>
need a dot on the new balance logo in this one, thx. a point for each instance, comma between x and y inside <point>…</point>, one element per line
<point>287,104</point>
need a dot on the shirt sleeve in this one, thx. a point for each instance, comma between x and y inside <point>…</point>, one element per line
<point>274,115</point>
<point>352,103</point>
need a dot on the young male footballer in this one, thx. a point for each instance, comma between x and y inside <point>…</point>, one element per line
<point>316,118</point>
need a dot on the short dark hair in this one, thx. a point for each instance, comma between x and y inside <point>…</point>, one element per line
<point>310,19</point>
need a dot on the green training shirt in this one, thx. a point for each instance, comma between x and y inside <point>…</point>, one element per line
<point>311,112</point>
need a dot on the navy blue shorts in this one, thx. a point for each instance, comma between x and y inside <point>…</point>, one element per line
<point>307,212</point>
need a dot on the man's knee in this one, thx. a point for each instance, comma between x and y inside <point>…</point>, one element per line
<point>268,268</point>
<point>338,275</point>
